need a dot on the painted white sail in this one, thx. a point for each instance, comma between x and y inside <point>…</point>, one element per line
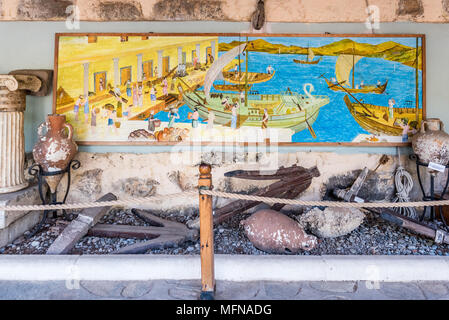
<point>220,76</point>
<point>311,54</point>
<point>216,68</point>
<point>343,67</point>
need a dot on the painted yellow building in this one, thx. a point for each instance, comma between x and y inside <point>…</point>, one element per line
<point>94,63</point>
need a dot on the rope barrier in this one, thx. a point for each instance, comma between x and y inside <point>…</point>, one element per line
<point>83,205</point>
<point>336,204</point>
<point>134,201</point>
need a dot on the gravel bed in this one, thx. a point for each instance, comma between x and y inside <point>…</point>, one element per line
<point>373,237</point>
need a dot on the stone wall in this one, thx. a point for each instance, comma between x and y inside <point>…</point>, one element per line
<point>127,174</point>
<point>227,10</point>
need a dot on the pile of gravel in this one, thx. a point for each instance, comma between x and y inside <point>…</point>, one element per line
<point>373,237</point>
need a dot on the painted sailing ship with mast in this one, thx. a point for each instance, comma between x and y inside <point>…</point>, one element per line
<point>385,120</point>
<point>309,58</point>
<point>245,78</point>
<point>286,110</point>
<point>343,67</point>
<point>376,120</point>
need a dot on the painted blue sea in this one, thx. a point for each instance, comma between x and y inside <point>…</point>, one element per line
<point>334,123</point>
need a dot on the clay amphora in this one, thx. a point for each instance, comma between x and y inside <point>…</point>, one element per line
<point>431,144</point>
<point>54,149</point>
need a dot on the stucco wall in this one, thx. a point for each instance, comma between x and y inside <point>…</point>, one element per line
<point>140,175</point>
<point>228,10</point>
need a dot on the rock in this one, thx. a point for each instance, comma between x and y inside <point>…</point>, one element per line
<point>35,244</point>
<point>42,9</point>
<point>188,10</point>
<point>88,183</point>
<point>274,232</point>
<point>136,187</point>
<point>19,240</point>
<point>332,222</point>
<point>181,180</point>
<point>119,10</point>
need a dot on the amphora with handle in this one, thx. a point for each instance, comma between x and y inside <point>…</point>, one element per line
<point>55,147</point>
<point>431,144</point>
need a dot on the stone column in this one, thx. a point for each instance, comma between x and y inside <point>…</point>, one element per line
<point>14,88</point>
<point>12,139</point>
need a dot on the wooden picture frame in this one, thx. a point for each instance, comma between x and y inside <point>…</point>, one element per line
<point>402,59</point>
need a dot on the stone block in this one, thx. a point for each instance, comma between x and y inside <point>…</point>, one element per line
<point>28,196</point>
<point>69,237</point>
<point>43,9</point>
<point>18,227</point>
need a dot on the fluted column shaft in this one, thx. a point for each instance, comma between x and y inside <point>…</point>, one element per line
<point>12,140</point>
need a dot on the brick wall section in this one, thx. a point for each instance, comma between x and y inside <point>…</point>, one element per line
<point>436,11</point>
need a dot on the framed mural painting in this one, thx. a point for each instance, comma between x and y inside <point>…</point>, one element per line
<point>288,89</point>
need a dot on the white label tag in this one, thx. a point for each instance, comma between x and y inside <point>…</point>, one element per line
<point>436,166</point>
<point>359,200</point>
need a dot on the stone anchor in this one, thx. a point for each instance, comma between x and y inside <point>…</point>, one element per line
<point>14,87</point>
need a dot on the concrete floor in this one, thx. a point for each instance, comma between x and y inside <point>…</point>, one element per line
<point>190,289</point>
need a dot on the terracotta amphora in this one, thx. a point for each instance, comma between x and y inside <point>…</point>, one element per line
<point>431,144</point>
<point>55,148</point>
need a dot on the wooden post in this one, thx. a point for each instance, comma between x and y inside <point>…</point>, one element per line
<point>206,235</point>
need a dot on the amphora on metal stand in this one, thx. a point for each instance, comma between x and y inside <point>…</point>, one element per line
<point>53,154</point>
<point>431,148</point>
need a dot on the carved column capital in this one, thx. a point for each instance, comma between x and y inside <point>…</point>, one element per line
<point>9,82</point>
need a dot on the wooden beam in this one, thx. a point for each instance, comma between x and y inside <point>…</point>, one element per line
<point>123,231</point>
<point>79,227</point>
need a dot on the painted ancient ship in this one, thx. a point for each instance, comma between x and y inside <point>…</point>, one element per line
<point>232,87</point>
<point>309,59</point>
<point>241,77</point>
<point>375,119</point>
<point>285,110</point>
<point>343,67</point>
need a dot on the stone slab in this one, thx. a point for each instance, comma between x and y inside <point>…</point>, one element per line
<point>27,196</point>
<point>79,227</point>
<point>175,290</point>
<point>18,227</point>
<point>239,268</point>
<point>69,237</point>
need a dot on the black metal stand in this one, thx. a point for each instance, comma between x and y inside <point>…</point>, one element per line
<point>431,196</point>
<point>37,171</point>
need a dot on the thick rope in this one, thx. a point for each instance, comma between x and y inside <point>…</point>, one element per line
<point>336,204</point>
<point>83,205</point>
<point>134,201</point>
<point>404,184</point>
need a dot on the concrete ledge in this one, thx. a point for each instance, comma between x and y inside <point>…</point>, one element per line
<point>228,267</point>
